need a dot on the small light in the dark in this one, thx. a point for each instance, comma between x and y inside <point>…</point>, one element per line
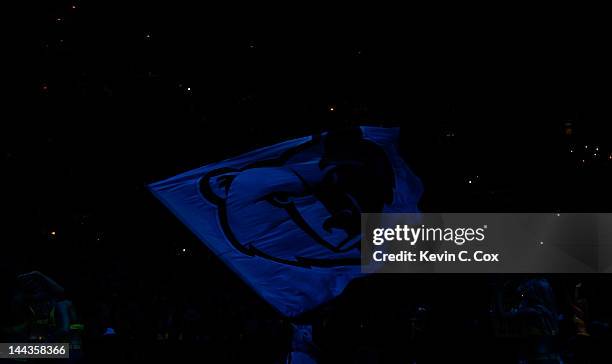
<point>472,179</point>
<point>567,128</point>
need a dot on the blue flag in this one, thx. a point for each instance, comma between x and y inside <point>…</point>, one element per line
<point>286,218</point>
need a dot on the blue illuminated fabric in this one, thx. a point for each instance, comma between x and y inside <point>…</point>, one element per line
<point>285,218</point>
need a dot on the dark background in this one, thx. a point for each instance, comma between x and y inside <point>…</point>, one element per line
<point>495,114</point>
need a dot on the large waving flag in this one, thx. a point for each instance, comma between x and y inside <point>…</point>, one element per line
<point>286,218</point>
